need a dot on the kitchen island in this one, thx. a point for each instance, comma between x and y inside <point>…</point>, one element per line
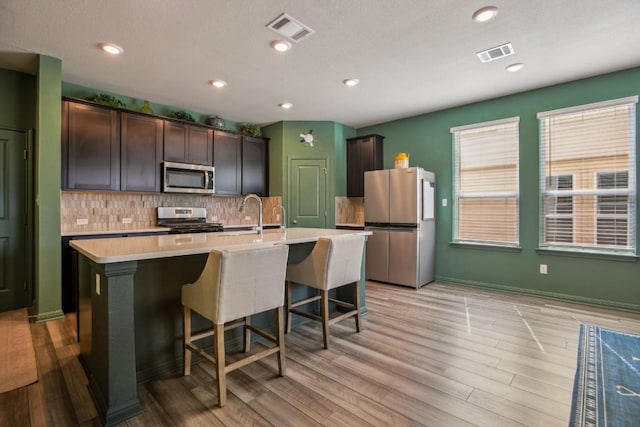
<point>130,310</point>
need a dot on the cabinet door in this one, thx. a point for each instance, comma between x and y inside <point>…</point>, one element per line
<point>175,142</point>
<point>90,147</point>
<point>254,166</point>
<point>355,173</point>
<point>227,160</point>
<point>200,146</point>
<point>363,154</point>
<point>141,145</point>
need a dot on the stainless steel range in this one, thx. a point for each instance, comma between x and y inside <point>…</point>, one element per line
<point>186,220</point>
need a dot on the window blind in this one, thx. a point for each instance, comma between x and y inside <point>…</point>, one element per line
<point>486,174</point>
<point>587,177</point>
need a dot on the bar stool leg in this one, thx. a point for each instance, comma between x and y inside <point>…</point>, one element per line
<point>356,299</point>
<point>186,339</point>
<point>324,308</point>
<point>220,363</point>
<point>247,334</point>
<point>282,363</point>
<point>289,315</point>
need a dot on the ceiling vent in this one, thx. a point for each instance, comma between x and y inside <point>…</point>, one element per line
<point>290,28</point>
<point>496,53</point>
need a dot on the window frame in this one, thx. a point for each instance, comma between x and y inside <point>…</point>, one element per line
<point>630,191</point>
<point>457,195</point>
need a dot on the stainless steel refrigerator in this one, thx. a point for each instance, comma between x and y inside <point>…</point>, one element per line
<point>399,210</point>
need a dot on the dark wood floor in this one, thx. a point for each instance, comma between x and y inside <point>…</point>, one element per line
<point>443,356</point>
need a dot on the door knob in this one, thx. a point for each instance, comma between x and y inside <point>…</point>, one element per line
<point>295,221</point>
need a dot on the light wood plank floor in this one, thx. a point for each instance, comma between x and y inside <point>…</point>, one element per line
<point>444,355</point>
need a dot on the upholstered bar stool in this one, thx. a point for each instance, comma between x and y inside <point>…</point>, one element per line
<point>233,285</point>
<point>333,262</point>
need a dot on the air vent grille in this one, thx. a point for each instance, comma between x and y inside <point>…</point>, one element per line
<point>496,53</point>
<point>290,28</point>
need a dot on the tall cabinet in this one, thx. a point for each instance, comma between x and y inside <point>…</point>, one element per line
<point>364,153</point>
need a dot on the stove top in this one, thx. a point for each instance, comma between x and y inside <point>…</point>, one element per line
<point>186,220</point>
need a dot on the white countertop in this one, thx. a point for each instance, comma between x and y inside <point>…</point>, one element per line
<point>115,231</point>
<point>105,251</point>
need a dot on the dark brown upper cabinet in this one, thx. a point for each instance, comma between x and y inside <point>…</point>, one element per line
<point>185,143</point>
<point>141,149</point>
<point>364,153</point>
<point>90,147</point>
<point>227,160</point>
<point>241,163</point>
<point>254,166</point>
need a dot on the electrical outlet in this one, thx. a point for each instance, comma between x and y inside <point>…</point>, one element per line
<point>543,268</point>
<point>214,218</point>
<point>444,203</point>
<point>126,220</point>
<point>247,218</point>
<point>82,221</point>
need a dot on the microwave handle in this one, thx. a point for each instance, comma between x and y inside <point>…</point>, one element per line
<point>206,182</point>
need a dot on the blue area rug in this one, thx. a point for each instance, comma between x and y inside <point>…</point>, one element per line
<point>606,391</point>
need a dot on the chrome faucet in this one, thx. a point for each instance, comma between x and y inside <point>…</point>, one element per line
<point>283,220</point>
<point>259,200</point>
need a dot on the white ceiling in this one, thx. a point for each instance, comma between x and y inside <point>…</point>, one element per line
<point>411,56</point>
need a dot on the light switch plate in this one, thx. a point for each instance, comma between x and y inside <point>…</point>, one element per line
<point>444,202</point>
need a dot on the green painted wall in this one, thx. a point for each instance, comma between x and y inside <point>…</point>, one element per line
<point>18,100</point>
<point>597,280</point>
<point>82,92</point>
<point>47,188</point>
<point>329,144</point>
<point>276,158</point>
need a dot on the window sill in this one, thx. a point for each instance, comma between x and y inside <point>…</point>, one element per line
<point>485,246</point>
<point>587,254</point>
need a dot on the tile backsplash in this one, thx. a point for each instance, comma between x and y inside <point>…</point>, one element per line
<point>350,210</point>
<point>104,211</point>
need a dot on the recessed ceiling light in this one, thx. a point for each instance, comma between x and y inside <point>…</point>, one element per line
<point>515,67</point>
<point>285,105</point>
<point>281,45</point>
<point>111,48</point>
<point>485,14</point>
<point>351,82</point>
<point>218,83</point>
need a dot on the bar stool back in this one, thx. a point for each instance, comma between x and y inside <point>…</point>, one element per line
<point>333,262</point>
<point>233,285</point>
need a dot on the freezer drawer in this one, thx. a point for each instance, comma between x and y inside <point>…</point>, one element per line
<point>377,258</point>
<point>403,257</point>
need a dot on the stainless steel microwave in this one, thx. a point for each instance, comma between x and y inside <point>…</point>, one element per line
<point>188,178</point>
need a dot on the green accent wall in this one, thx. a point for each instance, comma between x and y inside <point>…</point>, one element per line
<point>47,246</point>
<point>329,143</point>
<point>601,280</point>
